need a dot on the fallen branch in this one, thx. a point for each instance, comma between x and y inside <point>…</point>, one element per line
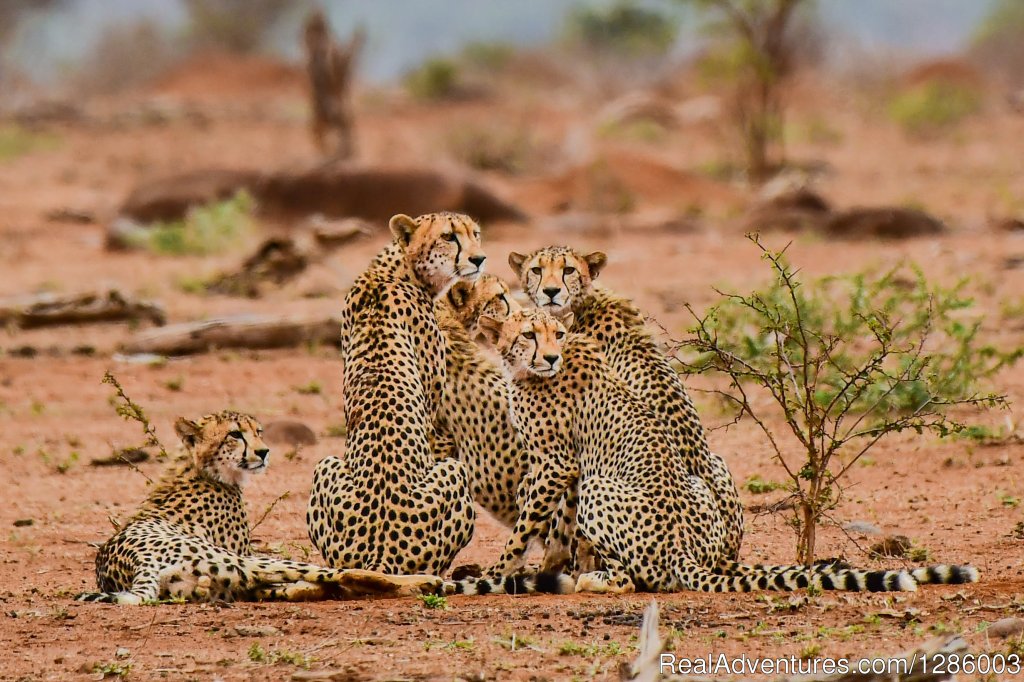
<point>243,331</point>
<point>47,310</point>
<point>911,666</point>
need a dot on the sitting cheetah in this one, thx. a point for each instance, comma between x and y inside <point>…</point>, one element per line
<point>560,280</point>
<point>388,504</point>
<point>654,526</point>
<point>190,538</point>
<point>475,413</point>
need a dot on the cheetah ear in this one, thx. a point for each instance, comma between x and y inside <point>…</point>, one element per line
<point>402,227</point>
<point>459,293</point>
<point>516,261</point>
<point>595,263</point>
<point>490,327</point>
<point>188,431</point>
<point>568,320</point>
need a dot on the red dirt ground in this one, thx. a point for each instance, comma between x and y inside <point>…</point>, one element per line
<point>955,498</point>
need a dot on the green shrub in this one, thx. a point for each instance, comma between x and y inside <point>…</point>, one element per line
<point>488,56</point>
<point>933,107</point>
<point>623,28</point>
<point>436,78</point>
<point>16,141</point>
<point>847,361</point>
<point>206,230</point>
<point>510,150</point>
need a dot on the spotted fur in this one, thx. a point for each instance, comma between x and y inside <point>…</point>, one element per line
<point>388,504</point>
<point>653,525</point>
<point>560,280</point>
<point>190,538</point>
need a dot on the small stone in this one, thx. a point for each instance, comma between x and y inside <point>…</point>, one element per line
<point>122,652</point>
<point>1005,627</point>
<point>256,630</point>
<point>288,432</point>
<point>862,527</point>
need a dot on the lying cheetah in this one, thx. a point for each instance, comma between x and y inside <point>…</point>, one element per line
<point>388,504</point>
<point>190,538</point>
<point>559,280</point>
<point>655,526</point>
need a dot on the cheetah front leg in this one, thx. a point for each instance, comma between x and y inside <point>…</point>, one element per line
<point>548,482</point>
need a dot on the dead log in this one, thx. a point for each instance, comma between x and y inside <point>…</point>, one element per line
<point>332,190</point>
<point>277,261</point>
<point>883,222</point>
<point>242,331</point>
<point>48,310</point>
<point>916,665</point>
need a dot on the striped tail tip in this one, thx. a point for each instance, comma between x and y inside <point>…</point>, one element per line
<point>543,583</point>
<point>946,575</point>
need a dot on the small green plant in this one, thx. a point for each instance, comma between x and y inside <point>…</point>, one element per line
<point>257,654</point>
<point>336,431</point>
<point>435,79</point>
<point>1007,500</point>
<point>812,650</point>
<point>848,361</point>
<point>129,410</point>
<point>16,141</point>
<point>314,387</point>
<point>434,601</point>
<point>175,384</point>
<point>933,107</point>
<point>758,486</point>
<point>112,669</point>
<point>206,230</point>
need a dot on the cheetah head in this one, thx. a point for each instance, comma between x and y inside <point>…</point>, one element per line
<point>226,446</point>
<point>556,275</point>
<point>440,248</point>
<point>529,341</point>
<point>488,296</point>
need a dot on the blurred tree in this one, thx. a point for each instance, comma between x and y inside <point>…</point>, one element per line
<point>622,29</point>
<point>330,66</point>
<point>237,25</point>
<point>998,43</point>
<point>760,40</point>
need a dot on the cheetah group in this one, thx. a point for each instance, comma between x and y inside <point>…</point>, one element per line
<point>564,420</point>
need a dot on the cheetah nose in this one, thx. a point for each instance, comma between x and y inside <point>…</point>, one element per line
<point>262,453</point>
<point>477,260</point>
<point>552,359</point>
<point>551,292</point>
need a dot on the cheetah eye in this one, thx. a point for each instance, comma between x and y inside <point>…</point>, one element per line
<point>559,335</point>
<point>529,336</point>
<point>450,236</point>
<point>569,270</point>
<point>536,270</point>
<point>236,434</point>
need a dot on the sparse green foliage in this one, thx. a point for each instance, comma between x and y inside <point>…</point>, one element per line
<point>129,410</point>
<point>624,29</point>
<point>434,601</point>
<point>336,431</point>
<point>758,486</point>
<point>314,387</point>
<point>848,360</point>
<point>175,384</point>
<point>16,141</point>
<point>488,56</point>
<point>933,107</point>
<point>236,25</point>
<point>206,230</point>
<point>117,669</point>
<point>436,78</point>
<point>997,43</point>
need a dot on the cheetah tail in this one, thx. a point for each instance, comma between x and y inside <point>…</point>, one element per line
<point>945,575</point>
<point>112,597</point>
<point>823,577</point>
<point>544,583</point>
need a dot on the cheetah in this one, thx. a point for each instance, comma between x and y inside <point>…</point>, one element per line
<point>475,414</point>
<point>559,280</point>
<point>474,407</point>
<point>190,538</point>
<point>655,526</point>
<point>387,504</point>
